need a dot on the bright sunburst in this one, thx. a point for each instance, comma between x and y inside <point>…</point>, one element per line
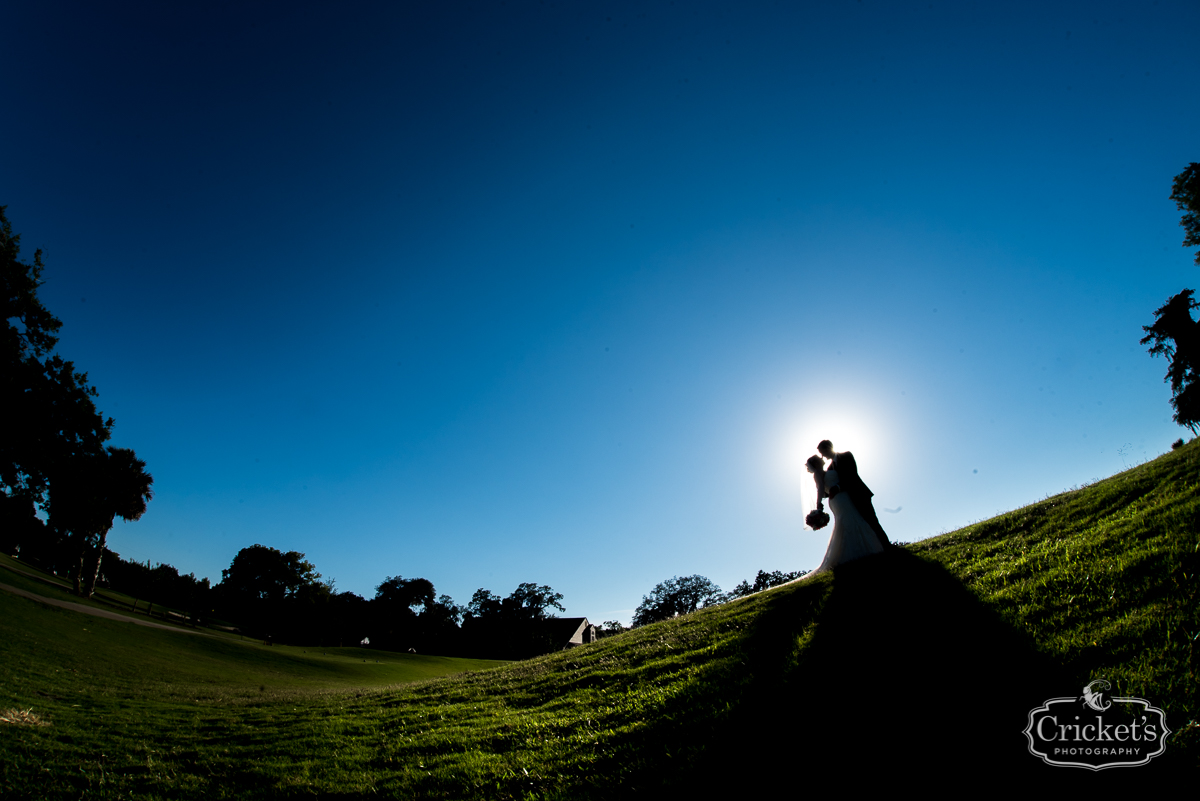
<point>853,426</point>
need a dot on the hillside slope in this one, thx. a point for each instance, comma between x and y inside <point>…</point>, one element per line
<point>922,658</point>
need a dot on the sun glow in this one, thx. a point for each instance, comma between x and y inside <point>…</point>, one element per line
<point>853,427</point>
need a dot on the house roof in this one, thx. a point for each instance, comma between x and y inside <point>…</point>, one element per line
<point>565,629</point>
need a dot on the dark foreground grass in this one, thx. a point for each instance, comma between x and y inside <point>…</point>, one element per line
<point>926,659</point>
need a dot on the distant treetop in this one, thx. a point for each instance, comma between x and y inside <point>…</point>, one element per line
<point>1185,191</point>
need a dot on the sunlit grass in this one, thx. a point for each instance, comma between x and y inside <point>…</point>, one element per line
<point>975,626</point>
<point>1104,577</point>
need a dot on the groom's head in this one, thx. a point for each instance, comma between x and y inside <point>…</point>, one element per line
<point>825,448</point>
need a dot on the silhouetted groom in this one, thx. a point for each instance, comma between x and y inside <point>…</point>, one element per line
<point>850,483</point>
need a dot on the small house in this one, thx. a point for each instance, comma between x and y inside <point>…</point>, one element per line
<point>569,632</point>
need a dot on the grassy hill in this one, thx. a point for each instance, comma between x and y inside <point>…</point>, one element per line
<point>24,576</point>
<point>921,659</point>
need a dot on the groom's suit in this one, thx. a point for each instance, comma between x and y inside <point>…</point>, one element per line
<point>860,494</point>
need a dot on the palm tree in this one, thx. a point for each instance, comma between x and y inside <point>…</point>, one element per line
<point>128,493</point>
<point>97,489</point>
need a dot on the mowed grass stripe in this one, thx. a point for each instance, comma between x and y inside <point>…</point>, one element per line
<point>129,661</point>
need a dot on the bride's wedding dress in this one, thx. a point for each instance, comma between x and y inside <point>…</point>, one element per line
<point>852,537</point>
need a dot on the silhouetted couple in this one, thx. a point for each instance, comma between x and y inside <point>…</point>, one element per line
<point>856,528</point>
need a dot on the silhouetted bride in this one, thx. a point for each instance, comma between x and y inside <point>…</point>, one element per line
<point>852,536</point>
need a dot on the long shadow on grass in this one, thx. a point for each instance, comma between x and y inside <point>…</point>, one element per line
<point>901,669</point>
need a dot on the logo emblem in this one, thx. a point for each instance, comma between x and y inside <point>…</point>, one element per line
<point>1097,731</point>
<point>1093,695</point>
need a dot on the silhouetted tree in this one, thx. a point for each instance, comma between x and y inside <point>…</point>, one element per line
<point>608,628</point>
<point>161,585</point>
<point>764,581</point>
<point>19,524</point>
<point>270,590</point>
<point>528,601</point>
<point>1177,336</point>
<point>676,596</point>
<point>88,492</point>
<point>346,619</point>
<point>510,628</point>
<point>1174,333</point>
<point>54,435</point>
<point>37,334</point>
<point>485,604</point>
<point>395,609</point>
<point>260,573</point>
<point>439,625</point>
<point>408,613</point>
<point>1185,191</point>
<point>408,594</point>
<point>531,601</point>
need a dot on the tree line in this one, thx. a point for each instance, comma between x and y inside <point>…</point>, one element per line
<point>62,488</point>
<point>282,598</point>
<point>681,596</point>
<point>279,597</point>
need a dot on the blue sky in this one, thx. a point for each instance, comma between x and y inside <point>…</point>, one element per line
<point>567,292</point>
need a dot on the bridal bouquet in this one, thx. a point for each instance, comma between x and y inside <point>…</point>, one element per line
<point>817,519</point>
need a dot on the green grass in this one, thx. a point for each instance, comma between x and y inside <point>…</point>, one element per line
<point>27,577</point>
<point>925,657</point>
<point>1104,578</point>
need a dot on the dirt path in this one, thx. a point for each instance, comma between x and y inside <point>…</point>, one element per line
<point>91,610</point>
